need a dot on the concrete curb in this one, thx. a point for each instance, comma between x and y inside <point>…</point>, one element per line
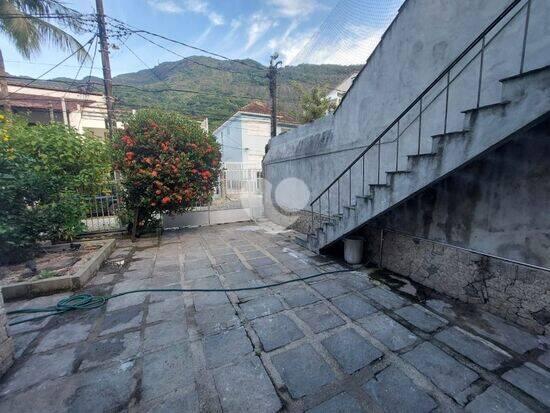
<point>68,282</point>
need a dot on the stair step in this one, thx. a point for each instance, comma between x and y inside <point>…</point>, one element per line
<point>454,134</point>
<point>379,185</point>
<point>422,155</point>
<point>525,74</point>
<point>337,216</point>
<point>485,107</point>
<point>349,206</point>
<point>398,172</point>
<point>329,223</point>
<point>364,197</point>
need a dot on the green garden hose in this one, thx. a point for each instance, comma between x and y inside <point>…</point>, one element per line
<point>89,301</point>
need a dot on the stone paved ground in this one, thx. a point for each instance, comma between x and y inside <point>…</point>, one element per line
<point>340,343</point>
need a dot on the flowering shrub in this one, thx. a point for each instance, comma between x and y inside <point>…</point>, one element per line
<point>168,163</point>
<point>44,172</point>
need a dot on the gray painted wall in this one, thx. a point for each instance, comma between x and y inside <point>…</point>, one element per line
<point>423,39</point>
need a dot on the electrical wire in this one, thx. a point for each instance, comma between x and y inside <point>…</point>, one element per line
<point>89,301</point>
<point>57,65</point>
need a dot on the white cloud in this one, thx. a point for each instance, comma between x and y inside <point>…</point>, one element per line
<point>235,24</point>
<point>216,18</point>
<point>345,51</point>
<point>259,25</point>
<point>295,8</point>
<point>193,6</point>
<point>196,6</point>
<point>166,6</point>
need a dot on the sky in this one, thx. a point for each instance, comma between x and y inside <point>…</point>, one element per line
<point>301,31</point>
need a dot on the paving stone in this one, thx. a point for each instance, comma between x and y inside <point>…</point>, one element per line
<point>276,331</point>
<point>196,264</point>
<point>202,300</point>
<point>22,341</point>
<point>271,271</point>
<point>246,387</point>
<point>194,274</point>
<point>117,348</point>
<point>543,358</point>
<point>63,335</point>
<point>330,288</point>
<point>385,298</point>
<point>179,401</point>
<point>226,347</point>
<point>302,370</point>
<point>167,371</point>
<point>421,318</point>
<point>247,295</point>
<point>126,301</point>
<point>351,350</point>
<point>172,309</point>
<point>443,370</point>
<point>221,259</point>
<point>163,334</point>
<point>260,262</point>
<point>215,319</point>
<point>495,400</point>
<point>307,271</point>
<point>341,403</point>
<point>102,279</point>
<point>354,306</point>
<point>503,332</point>
<point>319,317</point>
<point>394,392</point>
<point>230,267</point>
<point>37,369</point>
<point>253,254</point>
<point>298,296</point>
<point>116,321</point>
<point>262,306</point>
<point>115,386</point>
<point>358,282</point>
<point>479,351</point>
<point>533,380</point>
<point>389,331</point>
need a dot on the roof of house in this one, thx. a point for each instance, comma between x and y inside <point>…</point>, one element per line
<point>262,108</point>
<point>22,100</point>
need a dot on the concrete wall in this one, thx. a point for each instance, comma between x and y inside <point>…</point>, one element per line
<point>423,39</point>
<point>6,342</point>
<point>497,205</point>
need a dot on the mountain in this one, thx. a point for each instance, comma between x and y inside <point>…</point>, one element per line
<point>223,85</point>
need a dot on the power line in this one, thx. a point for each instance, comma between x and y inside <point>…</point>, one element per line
<point>54,67</point>
<point>138,31</point>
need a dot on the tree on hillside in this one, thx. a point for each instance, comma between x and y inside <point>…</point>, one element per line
<point>21,22</point>
<point>314,105</point>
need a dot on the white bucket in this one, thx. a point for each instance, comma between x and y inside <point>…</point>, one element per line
<point>353,250</point>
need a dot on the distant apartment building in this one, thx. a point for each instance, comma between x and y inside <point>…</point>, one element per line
<point>336,94</point>
<point>244,135</point>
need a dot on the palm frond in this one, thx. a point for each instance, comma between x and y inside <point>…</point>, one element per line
<point>60,38</point>
<point>28,31</point>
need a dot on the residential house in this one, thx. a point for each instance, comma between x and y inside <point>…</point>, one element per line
<point>336,94</point>
<point>84,111</point>
<point>244,135</point>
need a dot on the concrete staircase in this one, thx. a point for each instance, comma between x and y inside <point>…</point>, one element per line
<point>525,101</point>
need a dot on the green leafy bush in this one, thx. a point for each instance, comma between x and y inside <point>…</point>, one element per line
<point>45,173</point>
<point>168,163</point>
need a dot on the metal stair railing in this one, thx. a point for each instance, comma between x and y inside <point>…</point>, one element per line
<point>484,39</point>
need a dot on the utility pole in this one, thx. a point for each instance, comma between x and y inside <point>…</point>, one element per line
<point>272,76</point>
<point>107,80</point>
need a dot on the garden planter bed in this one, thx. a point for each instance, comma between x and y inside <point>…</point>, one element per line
<point>60,268</point>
